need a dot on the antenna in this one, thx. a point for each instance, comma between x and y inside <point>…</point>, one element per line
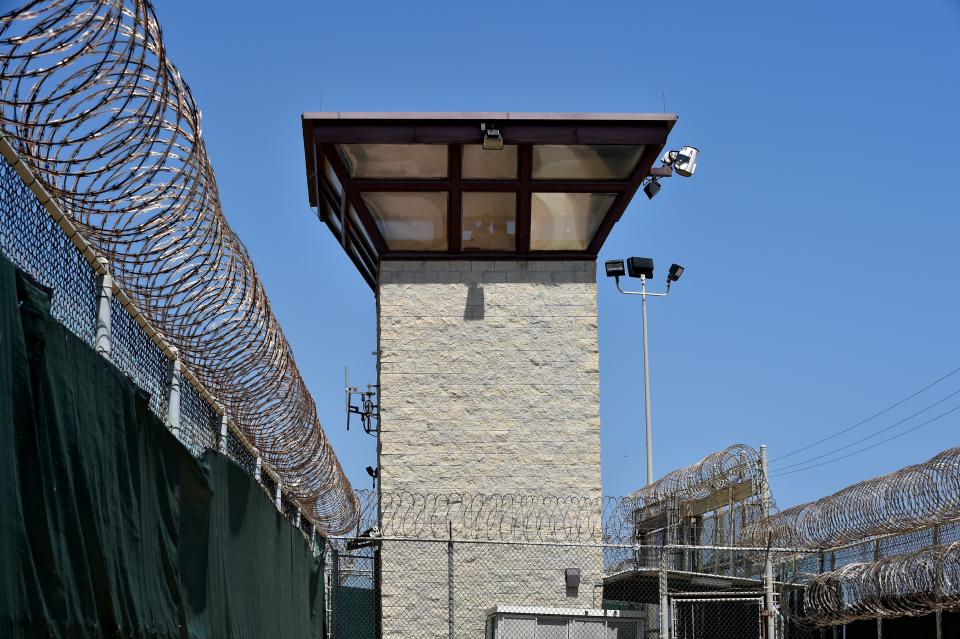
<point>347,391</point>
<point>369,408</point>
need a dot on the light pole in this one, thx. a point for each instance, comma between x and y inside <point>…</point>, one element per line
<point>642,267</point>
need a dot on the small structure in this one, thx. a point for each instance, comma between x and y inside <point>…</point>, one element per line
<point>525,622</point>
<point>701,510</point>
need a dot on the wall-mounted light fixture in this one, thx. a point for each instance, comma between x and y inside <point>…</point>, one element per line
<point>492,139</point>
<point>651,188</point>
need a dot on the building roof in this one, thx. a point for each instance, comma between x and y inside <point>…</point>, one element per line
<point>426,186</point>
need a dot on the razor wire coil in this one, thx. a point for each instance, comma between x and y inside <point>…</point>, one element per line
<point>914,584</point>
<point>910,499</point>
<point>90,99</point>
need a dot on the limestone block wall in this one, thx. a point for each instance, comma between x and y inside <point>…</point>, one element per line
<point>489,383</point>
<point>489,377</point>
<point>415,590</point>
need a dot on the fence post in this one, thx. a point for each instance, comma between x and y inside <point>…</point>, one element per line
<point>821,567</point>
<point>278,496</point>
<point>768,560</point>
<point>833,566</point>
<point>173,397</point>
<point>876,557</point>
<point>258,469</point>
<point>103,339</point>
<point>663,586</point>
<point>732,570</point>
<point>222,437</point>
<point>937,585</point>
<point>334,592</point>
<point>450,631</point>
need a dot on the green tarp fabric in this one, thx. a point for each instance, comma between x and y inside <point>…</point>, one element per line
<point>357,618</point>
<point>108,526</point>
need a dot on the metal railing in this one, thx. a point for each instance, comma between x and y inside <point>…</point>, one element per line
<point>37,237</point>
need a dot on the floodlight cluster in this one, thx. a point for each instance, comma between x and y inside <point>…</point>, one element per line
<point>91,100</point>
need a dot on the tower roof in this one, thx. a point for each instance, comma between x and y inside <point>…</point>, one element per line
<point>476,185</point>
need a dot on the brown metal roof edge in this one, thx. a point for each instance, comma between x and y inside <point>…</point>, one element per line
<point>489,115</point>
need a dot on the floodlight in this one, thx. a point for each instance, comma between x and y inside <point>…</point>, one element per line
<point>652,188</point>
<point>684,161</point>
<point>640,266</point>
<point>492,139</point>
<point>675,272</point>
<point>615,268</point>
<point>373,472</point>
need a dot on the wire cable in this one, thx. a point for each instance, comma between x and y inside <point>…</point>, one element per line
<point>866,448</point>
<point>864,421</point>
<point>868,437</point>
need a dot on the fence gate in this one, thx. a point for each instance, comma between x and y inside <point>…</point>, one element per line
<point>353,594</point>
<point>717,617</point>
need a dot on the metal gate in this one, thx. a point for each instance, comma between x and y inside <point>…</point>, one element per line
<point>717,617</point>
<point>353,596</point>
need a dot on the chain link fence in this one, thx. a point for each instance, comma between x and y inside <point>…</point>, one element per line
<point>33,241</point>
<point>397,588</point>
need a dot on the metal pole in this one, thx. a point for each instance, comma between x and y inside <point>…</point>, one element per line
<point>730,556</point>
<point>450,582</point>
<point>646,379</point>
<point>103,339</point>
<point>821,568</point>
<point>222,444</point>
<point>876,557</point>
<point>334,592</point>
<point>768,561</point>
<point>938,585</point>
<point>664,599</point>
<point>833,566</point>
<point>173,398</point>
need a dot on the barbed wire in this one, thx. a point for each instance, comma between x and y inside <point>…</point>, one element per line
<point>498,517</point>
<point>734,465</point>
<point>912,498</point>
<point>558,518</point>
<point>907,585</point>
<point>90,98</point>
<point>561,518</point>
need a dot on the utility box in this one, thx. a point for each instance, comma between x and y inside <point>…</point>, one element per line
<point>526,622</point>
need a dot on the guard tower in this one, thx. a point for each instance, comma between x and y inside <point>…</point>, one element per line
<point>478,233</point>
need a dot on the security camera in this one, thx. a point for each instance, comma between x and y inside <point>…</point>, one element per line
<point>684,161</point>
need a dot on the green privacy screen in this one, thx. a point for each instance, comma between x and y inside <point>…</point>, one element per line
<point>108,526</point>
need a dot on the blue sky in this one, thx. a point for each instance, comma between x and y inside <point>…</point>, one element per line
<point>819,234</point>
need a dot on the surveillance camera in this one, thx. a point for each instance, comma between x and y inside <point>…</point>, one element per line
<point>684,161</point>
